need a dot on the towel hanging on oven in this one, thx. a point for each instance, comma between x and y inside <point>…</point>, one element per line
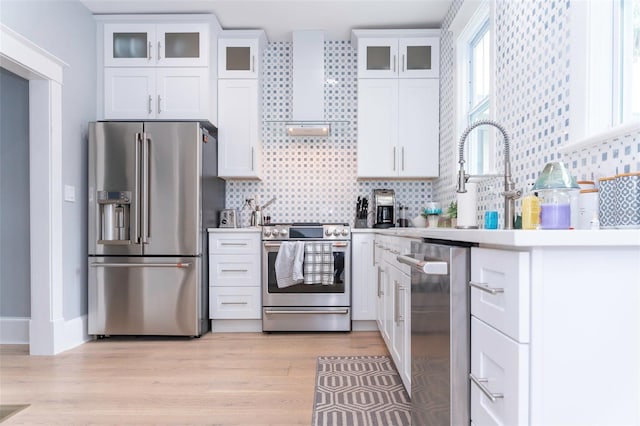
<point>288,265</point>
<point>318,263</point>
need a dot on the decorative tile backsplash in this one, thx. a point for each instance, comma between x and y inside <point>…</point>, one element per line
<point>532,93</point>
<point>314,178</point>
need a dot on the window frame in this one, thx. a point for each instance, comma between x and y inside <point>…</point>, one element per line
<point>597,86</point>
<point>469,25</point>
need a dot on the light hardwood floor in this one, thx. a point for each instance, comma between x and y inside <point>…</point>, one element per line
<point>219,379</point>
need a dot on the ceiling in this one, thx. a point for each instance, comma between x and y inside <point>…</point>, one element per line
<point>279,17</point>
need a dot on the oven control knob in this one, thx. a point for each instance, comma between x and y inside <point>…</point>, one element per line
<point>283,232</point>
<point>336,232</point>
<point>267,232</point>
<point>345,232</point>
<point>328,232</point>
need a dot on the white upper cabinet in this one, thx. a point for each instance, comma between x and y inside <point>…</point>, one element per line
<point>239,111</point>
<point>149,93</point>
<point>157,67</point>
<point>239,142</point>
<point>398,103</point>
<point>398,128</point>
<point>240,54</point>
<point>397,53</point>
<point>143,44</point>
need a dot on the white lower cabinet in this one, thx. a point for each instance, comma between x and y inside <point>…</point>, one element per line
<point>393,292</point>
<point>235,303</point>
<point>235,281</point>
<point>499,377</point>
<point>363,278</point>
<point>555,336</point>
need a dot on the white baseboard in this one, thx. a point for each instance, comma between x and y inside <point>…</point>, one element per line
<point>68,334</point>
<point>75,332</point>
<point>236,326</point>
<point>364,325</point>
<point>14,330</point>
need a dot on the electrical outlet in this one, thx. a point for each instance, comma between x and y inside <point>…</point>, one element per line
<point>70,193</point>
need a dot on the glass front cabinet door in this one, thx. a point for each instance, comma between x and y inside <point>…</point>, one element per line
<point>238,58</point>
<point>141,44</point>
<point>398,57</point>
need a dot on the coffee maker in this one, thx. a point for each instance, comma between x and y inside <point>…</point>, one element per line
<point>384,202</point>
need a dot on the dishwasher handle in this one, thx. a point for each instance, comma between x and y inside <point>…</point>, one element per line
<point>426,267</point>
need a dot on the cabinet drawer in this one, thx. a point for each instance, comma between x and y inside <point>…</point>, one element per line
<point>234,243</point>
<point>500,290</point>
<point>501,366</point>
<point>234,302</point>
<point>234,270</point>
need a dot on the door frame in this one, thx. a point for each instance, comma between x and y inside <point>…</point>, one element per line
<point>44,72</point>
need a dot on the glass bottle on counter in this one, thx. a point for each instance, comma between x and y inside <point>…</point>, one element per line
<point>531,211</point>
<point>555,209</point>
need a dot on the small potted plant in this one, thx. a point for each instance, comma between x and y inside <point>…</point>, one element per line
<point>432,213</point>
<point>452,212</point>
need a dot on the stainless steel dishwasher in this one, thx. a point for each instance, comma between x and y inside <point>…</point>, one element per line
<point>440,332</point>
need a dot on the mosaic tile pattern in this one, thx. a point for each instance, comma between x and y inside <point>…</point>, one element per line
<point>532,92</point>
<point>314,179</point>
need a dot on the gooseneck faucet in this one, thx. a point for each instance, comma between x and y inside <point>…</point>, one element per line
<point>510,193</point>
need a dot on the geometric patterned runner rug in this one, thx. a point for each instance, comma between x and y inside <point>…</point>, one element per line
<point>359,391</point>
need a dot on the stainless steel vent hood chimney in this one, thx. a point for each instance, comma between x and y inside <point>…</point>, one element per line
<point>308,85</point>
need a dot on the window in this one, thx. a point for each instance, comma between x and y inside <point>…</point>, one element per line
<point>626,60</point>
<point>605,69</point>
<point>474,85</point>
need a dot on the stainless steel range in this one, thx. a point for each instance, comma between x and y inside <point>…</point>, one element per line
<point>306,277</point>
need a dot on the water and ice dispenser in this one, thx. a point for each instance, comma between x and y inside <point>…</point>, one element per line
<point>115,209</point>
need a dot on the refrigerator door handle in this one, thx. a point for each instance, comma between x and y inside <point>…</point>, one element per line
<point>140,265</point>
<point>135,234</point>
<point>145,188</point>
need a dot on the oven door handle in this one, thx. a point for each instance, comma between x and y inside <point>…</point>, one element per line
<point>299,311</point>
<point>274,245</point>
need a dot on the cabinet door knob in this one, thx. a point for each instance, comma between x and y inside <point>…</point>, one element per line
<point>159,50</point>
<point>159,100</point>
<point>149,52</point>
<point>149,107</point>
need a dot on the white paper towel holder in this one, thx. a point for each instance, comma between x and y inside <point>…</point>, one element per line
<point>467,206</point>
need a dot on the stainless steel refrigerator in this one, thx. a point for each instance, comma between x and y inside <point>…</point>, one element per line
<point>153,191</point>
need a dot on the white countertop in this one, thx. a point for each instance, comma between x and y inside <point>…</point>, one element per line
<point>520,238</point>
<point>512,238</point>
<point>257,229</point>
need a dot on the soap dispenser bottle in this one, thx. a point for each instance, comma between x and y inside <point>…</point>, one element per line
<point>531,211</point>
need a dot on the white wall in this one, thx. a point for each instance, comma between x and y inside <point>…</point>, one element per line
<point>67,30</point>
<point>15,272</point>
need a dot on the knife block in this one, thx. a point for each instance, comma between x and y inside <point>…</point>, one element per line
<point>361,223</point>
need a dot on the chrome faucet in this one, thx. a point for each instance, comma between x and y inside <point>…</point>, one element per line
<point>510,193</point>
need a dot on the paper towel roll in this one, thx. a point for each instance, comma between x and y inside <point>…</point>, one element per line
<point>468,207</point>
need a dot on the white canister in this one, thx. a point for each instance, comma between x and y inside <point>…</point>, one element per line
<point>587,207</point>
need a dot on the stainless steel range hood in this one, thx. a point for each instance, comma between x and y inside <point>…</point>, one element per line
<point>308,117</point>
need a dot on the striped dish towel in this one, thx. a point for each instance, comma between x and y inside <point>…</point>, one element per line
<point>318,263</point>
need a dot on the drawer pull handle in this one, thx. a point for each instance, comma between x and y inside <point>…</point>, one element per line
<point>234,270</point>
<point>233,303</point>
<point>234,244</point>
<point>485,287</point>
<point>483,388</point>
